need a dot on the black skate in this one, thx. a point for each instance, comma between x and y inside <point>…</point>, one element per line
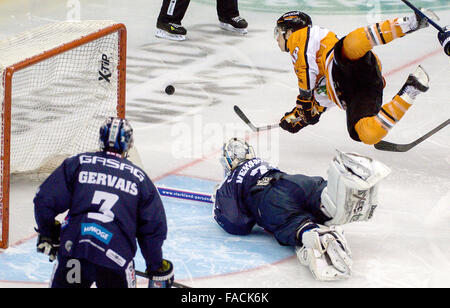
<point>170,31</point>
<point>417,82</point>
<point>234,24</point>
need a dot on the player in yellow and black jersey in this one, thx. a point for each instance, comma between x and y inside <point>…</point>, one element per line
<point>345,72</point>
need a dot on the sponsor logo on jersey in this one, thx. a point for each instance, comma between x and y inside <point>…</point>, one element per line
<point>112,163</point>
<point>96,231</point>
<point>264,181</point>
<point>115,257</point>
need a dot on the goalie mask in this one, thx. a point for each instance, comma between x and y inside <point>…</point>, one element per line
<point>235,152</point>
<point>116,135</point>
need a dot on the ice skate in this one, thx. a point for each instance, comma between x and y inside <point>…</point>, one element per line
<point>170,31</point>
<point>416,22</point>
<point>234,24</point>
<point>417,82</point>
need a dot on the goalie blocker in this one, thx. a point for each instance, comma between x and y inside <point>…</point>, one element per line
<point>351,192</point>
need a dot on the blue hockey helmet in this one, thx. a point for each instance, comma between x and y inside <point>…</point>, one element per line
<point>116,135</point>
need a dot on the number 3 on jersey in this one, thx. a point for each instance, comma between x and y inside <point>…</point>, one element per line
<point>105,214</point>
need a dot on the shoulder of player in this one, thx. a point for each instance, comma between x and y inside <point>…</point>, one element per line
<point>100,155</point>
<point>297,39</point>
<point>111,161</point>
<point>315,35</point>
<point>244,166</point>
<point>251,163</point>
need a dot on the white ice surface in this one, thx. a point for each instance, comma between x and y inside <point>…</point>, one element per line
<point>407,242</point>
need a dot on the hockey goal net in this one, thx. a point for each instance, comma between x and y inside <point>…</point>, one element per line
<point>59,83</point>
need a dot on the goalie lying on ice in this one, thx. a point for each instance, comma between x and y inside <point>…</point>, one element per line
<point>300,211</point>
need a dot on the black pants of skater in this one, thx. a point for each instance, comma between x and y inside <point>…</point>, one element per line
<point>174,10</point>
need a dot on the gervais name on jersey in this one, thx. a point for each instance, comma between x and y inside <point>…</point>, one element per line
<point>99,178</point>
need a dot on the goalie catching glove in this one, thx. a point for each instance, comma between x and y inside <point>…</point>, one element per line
<point>306,112</point>
<point>325,252</point>
<point>49,245</point>
<point>163,277</point>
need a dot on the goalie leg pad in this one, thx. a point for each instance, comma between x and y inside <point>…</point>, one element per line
<point>326,253</point>
<point>352,188</point>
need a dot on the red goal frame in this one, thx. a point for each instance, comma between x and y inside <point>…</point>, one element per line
<point>6,115</point>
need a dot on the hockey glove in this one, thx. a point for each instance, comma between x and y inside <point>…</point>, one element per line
<point>163,277</point>
<point>309,109</point>
<point>292,121</point>
<point>49,245</point>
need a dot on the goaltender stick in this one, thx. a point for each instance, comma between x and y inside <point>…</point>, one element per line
<point>301,211</point>
<point>110,203</point>
<point>345,72</point>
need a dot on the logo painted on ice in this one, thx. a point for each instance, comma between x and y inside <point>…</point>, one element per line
<point>324,7</point>
<point>97,232</point>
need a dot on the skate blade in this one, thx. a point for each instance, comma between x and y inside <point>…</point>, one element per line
<point>230,28</point>
<point>169,36</point>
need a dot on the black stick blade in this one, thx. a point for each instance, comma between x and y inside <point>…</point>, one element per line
<point>391,147</point>
<point>394,147</point>
<point>244,118</point>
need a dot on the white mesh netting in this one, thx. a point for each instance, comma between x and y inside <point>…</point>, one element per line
<point>58,105</point>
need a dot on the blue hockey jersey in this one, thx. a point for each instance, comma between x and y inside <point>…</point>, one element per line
<point>256,193</point>
<point>110,203</point>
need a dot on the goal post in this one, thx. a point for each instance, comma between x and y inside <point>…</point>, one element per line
<point>59,83</point>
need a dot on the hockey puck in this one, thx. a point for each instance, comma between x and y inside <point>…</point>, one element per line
<point>170,89</point>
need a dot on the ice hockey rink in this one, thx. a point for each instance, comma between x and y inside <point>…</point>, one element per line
<point>179,138</point>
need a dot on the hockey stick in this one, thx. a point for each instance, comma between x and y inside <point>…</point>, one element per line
<point>419,12</point>
<point>394,147</point>
<point>183,194</point>
<point>175,284</point>
<point>250,124</point>
<point>244,118</point>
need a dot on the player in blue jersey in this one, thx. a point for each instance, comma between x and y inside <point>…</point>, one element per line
<point>110,202</point>
<point>301,211</point>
